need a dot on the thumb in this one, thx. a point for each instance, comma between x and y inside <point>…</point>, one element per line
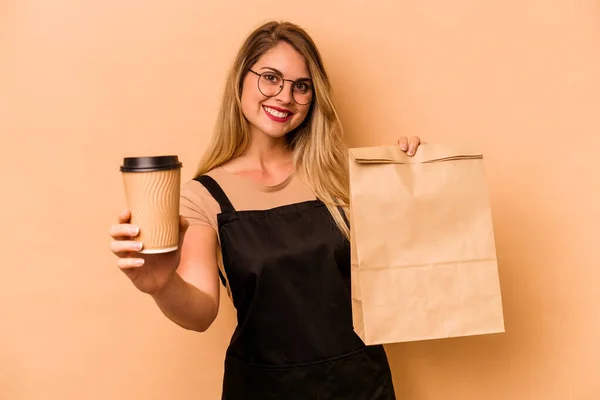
<point>183,227</point>
<point>184,224</point>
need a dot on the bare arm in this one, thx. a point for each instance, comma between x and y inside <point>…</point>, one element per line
<point>191,296</point>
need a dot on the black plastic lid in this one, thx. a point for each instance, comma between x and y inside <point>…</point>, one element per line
<point>148,164</point>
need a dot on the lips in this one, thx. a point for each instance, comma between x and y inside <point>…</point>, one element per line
<point>278,114</point>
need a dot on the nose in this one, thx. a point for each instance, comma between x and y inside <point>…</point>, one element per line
<point>285,95</point>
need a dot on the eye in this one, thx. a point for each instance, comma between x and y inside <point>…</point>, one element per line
<point>272,79</point>
<point>303,87</point>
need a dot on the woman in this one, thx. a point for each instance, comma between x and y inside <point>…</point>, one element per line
<point>266,217</point>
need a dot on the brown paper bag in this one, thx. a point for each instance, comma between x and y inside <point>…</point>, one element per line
<point>423,254</point>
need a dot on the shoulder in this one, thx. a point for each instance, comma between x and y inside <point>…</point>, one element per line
<point>197,204</point>
<point>194,189</point>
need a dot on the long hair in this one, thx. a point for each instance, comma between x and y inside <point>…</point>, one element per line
<point>319,155</point>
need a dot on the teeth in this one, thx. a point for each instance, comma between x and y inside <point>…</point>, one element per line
<point>276,113</point>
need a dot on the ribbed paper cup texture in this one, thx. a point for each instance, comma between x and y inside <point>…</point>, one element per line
<point>153,199</point>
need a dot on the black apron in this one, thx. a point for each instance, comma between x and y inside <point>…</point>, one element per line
<point>288,270</point>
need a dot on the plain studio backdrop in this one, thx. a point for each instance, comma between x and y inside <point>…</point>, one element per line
<point>85,83</point>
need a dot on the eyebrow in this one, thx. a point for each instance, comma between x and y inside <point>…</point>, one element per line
<point>280,73</point>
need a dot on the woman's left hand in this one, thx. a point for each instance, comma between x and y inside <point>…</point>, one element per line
<point>409,145</point>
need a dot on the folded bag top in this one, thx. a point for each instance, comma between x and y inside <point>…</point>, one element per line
<point>425,154</point>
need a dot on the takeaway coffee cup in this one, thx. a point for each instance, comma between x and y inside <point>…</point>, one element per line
<point>152,193</point>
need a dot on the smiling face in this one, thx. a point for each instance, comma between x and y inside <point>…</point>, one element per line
<point>278,115</point>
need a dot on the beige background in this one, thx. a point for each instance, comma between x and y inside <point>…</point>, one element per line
<point>85,83</point>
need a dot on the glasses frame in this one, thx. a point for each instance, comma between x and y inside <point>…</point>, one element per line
<point>281,86</point>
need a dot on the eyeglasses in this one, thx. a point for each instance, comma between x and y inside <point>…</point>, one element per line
<point>270,84</point>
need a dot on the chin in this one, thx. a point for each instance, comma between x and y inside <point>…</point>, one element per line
<point>275,132</point>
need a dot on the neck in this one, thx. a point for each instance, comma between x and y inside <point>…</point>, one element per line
<point>266,152</point>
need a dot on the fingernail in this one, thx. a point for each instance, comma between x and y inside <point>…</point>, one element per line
<point>135,230</point>
<point>404,146</point>
<point>137,245</point>
<point>138,262</point>
<point>411,151</point>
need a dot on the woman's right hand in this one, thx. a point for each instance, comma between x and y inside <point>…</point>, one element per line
<point>150,273</point>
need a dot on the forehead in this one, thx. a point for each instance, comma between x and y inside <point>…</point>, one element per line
<point>286,59</point>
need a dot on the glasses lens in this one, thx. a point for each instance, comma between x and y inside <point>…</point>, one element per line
<point>270,84</point>
<point>303,92</point>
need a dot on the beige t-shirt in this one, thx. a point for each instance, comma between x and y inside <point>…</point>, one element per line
<point>200,208</point>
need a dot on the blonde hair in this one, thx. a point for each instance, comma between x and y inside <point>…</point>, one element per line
<point>319,155</point>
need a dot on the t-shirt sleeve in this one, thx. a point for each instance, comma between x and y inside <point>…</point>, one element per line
<point>195,205</point>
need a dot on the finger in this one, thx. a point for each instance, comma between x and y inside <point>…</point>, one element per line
<point>184,224</point>
<point>403,143</point>
<point>183,227</point>
<point>413,144</point>
<point>120,247</point>
<point>126,263</point>
<point>125,216</point>
<point>123,231</point>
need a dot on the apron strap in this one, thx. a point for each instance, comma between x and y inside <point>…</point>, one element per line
<point>215,190</point>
